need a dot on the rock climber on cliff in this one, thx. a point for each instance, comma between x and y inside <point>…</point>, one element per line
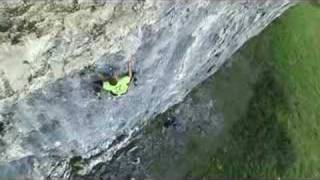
<point>111,82</point>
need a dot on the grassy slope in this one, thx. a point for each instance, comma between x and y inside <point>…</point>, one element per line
<point>270,102</point>
<point>296,56</point>
<point>279,135</point>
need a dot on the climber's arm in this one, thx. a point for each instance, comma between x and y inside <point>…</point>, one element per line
<point>130,68</point>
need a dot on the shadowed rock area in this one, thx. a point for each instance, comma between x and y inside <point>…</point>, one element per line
<point>226,127</point>
<point>50,117</point>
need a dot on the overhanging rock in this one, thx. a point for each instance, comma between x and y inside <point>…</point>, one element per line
<point>49,114</point>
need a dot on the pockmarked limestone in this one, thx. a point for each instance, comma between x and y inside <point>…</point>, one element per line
<point>49,114</point>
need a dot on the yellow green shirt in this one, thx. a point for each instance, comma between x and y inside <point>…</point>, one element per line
<point>120,88</point>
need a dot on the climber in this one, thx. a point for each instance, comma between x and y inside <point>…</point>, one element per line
<point>110,81</point>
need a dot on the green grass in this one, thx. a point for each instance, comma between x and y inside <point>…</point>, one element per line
<point>279,134</point>
<point>270,101</point>
<point>296,45</point>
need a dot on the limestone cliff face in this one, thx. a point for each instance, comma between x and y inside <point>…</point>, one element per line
<point>48,112</point>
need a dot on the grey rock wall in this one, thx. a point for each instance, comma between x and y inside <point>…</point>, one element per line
<point>49,113</point>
